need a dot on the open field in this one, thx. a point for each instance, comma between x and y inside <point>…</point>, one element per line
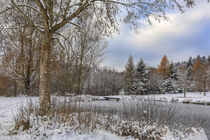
<point>8,107</point>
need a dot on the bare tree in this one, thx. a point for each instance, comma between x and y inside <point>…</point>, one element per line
<point>183,81</point>
<point>20,51</point>
<point>82,50</point>
<point>201,78</point>
<point>104,81</point>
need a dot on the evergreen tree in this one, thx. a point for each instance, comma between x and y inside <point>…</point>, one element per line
<point>203,60</point>
<point>190,70</point>
<point>170,76</point>
<point>167,86</point>
<point>141,81</point>
<point>198,57</point>
<point>173,72</point>
<point>129,76</point>
<point>190,73</point>
<point>190,62</point>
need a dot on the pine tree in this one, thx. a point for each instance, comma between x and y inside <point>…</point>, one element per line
<point>163,68</point>
<point>173,72</point>
<point>190,73</point>
<point>190,70</point>
<point>190,62</point>
<point>167,86</point>
<point>129,76</point>
<point>169,72</point>
<point>203,60</point>
<point>141,81</point>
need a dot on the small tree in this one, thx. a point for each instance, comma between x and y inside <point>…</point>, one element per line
<point>200,75</point>
<point>173,71</point>
<point>183,81</point>
<point>190,70</point>
<point>169,74</point>
<point>141,80</point>
<point>129,76</point>
<point>164,67</point>
<point>201,78</point>
<point>154,81</point>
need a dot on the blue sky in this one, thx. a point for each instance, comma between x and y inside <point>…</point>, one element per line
<point>183,36</point>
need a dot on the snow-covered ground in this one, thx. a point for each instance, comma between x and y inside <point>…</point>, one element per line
<point>8,107</point>
<point>192,98</point>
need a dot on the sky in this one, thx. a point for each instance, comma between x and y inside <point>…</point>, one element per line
<point>184,35</point>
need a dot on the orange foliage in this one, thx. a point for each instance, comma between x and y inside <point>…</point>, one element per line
<point>163,68</point>
<point>197,65</point>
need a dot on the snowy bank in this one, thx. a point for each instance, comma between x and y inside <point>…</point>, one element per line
<point>97,127</point>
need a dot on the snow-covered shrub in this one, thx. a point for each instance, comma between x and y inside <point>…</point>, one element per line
<point>149,111</point>
<point>22,118</point>
<point>141,120</point>
<point>169,86</point>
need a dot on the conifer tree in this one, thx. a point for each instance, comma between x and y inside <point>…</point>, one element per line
<point>140,80</point>
<point>169,74</point>
<point>163,68</point>
<point>190,71</point>
<point>173,72</point>
<point>203,60</point>
<point>129,76</point>
<point>190,62</point>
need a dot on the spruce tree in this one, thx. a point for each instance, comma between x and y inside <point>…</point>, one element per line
<point>173,72</point>
<point>190,70</point>
<point>169,83</point>
<point>190,62</point>
<point>203,60</point>
<point>129,76</point>
<point>167,86</point>
<point>140,80</point>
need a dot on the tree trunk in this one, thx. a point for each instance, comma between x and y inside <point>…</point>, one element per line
<point>44,84</point>
<point>204,89</point>
<point>184,93</point>
<point>15,88</point>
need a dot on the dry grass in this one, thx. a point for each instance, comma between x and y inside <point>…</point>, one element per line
<point>131,120</point>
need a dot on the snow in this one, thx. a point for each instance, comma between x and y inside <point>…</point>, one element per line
<point>8,106</point>
<point>193,97</point>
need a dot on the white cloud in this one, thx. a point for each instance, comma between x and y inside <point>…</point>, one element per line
<point>178,25</point>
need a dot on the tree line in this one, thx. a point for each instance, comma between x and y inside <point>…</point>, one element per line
<point>192,75</point>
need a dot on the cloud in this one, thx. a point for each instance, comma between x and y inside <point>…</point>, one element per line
<point>180,26</point>
<point>183,36</point>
